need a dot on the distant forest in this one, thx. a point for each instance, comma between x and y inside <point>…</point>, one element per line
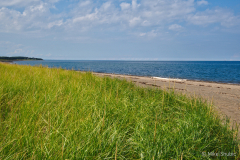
<point>18,58</point>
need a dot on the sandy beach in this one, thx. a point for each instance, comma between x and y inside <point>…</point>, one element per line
<point>224,97</point>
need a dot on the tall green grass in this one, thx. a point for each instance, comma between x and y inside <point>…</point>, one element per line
<point>60,114</point>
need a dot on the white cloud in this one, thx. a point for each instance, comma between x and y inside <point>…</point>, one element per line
<point>106,6</point>
<point>125,6</point>
<point>12,49</point>
<point>167,9</point>
<point>202,2</point>
<point>55,23</point>
<point>32,18</point>
<point>146,23</point>
<point>134,21</point>
<point>5,3</point>
<point>142,34</point>
<point>9,20</point>
<point>38,8</point>
<point>90,15</point>
<point>175,27</point>
<point>150,34</point>
<point>134,4</point>
<point>17,51</point>
<point>221,16</point>
<point>23,3</point>
<point>84,4</point>
<point>145,14</point>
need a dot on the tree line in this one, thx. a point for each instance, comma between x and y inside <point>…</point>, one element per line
<point>18,58</point>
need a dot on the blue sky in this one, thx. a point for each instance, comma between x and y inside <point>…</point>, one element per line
<point>121,29</point>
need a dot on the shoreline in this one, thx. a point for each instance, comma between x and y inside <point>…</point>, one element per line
<point>224,97</point>
<point>162,78</point>
<point>195,80</point>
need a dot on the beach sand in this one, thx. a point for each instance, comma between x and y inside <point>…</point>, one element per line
<point>224,97</point>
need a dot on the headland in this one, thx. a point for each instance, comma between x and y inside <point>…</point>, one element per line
<point>18,58</point>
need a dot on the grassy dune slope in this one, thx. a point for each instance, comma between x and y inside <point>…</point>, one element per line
<point>59,114</point>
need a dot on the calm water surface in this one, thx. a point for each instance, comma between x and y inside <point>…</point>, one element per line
<point>216,71</point>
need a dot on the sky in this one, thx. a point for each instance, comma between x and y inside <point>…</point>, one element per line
<point>121,29</point>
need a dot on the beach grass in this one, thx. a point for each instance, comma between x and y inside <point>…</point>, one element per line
<point>62,114</point>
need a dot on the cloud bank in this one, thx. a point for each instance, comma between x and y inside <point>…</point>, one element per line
<point>86,15</point>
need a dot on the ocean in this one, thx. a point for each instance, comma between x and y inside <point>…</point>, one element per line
<point>215,71</point>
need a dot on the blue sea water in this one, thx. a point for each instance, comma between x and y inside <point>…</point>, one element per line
<point>215,71</point>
